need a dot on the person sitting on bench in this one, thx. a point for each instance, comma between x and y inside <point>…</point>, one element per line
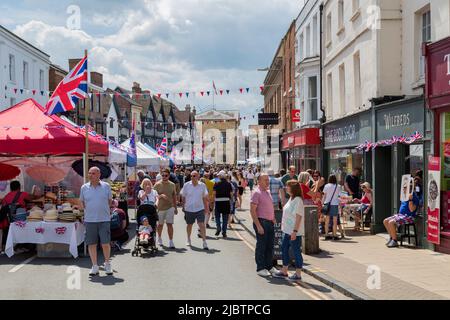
<point>406,215</point>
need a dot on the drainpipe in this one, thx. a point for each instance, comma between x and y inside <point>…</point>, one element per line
<point>323,119</point>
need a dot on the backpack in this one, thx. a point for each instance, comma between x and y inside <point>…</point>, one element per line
<point>116,221</point>
<point>9,210</point>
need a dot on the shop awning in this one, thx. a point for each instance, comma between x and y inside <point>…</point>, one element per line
<point>301,137</point>
<point>26,130</point>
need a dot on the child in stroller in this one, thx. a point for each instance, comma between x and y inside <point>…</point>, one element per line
<point>146,212</point>
<point>145,231</point>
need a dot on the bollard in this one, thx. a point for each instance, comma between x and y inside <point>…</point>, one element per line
<point>310,240</point>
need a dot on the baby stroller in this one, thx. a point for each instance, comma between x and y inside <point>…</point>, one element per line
<point>149,211</point>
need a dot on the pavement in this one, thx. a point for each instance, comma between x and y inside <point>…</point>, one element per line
<point>362,267</point>
<point>227,271</point>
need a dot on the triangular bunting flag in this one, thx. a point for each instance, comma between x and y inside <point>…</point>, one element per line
<point>248,89</point>
<point>187,94</point>
<point>34,92</point>
<point>42,93</point>
<point>221,92</point>
<point>167,95</point>
<point>202,93</point>
<point>159,95</point>
<point>181,94</point>
<point>15,90</point>
<point>207,92</point>
<point>262,88</point>
<point>21,91</point>
<point>240,89</point>
<point>228,91</point>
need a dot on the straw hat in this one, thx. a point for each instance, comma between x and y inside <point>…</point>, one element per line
<point>367,185</point>
<point>51,215</point>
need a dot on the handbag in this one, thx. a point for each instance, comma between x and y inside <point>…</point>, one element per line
<point>327,206</point>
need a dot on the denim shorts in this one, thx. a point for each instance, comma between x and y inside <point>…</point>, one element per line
<point>334,211</point>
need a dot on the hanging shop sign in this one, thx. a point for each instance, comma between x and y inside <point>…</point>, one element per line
<point>265,119</point>
<point>295,115</point>
<point>434,201</point>
<point>437,84</point>
<point>400,120</point>
<point>348,132</point>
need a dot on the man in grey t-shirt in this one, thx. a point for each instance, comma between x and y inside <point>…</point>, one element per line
<point>96,199</point>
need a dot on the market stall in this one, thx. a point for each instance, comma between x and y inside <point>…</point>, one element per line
<point>147,158</point>
<point>44,147</point>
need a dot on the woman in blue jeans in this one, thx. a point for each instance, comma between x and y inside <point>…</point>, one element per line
<point>292,227</point>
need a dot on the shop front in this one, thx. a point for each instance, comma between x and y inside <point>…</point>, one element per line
<point>438,100</point>
<point>400,148</point>
<point>303,148</point>
<point>341,139</point>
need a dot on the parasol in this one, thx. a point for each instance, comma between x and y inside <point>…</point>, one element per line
<point>46,174</point>
<point>8,172</point>
<point>105,170</point>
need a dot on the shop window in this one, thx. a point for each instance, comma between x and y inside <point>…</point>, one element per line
<point>342,162</point>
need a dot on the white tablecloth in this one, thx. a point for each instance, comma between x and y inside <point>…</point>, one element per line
<point>45,232</point>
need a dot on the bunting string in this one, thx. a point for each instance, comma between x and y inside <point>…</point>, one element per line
<point>367,146</point>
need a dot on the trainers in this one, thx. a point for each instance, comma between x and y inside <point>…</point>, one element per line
<point>280,274</point>
<point>108,268</point>
<point>273,270</point>
<point>160,242</point>
<point>205,246</point>
<point>295,277</point>
<point>118,246</point>
<point>188,243</point>
<point>336,238</point>
<point>224,235</point>
<point>217,233</point>
<point>94,271</point>
<point>263,273</point>
<point>392,244</point>
<point>389,241</point>
<point>171,245</point>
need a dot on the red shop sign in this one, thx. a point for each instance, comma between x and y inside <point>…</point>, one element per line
<point>295,115</point>
<point>437,85</point>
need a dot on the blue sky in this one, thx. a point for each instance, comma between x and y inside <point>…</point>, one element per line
<point>165,45</point>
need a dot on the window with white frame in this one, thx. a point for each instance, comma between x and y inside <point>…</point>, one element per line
<point>329,94</point>
<point>308,42</point>
<point>12,68</point>
<point>355,5</point>
<point>41,80</point>
<point>357,78</point>
<point>301,46</point>
<point>314,36</point>
<point>328,34</point>
<point>342,88</point>
<point>340,14</point>
<point>425,37</point>
<point>25,75</point>
<point>312,98</point>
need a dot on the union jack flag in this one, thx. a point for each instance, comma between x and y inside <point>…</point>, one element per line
<point>73,87</point>
<point>132,158</point>
<point>163,147</point>
<point>60,230</point>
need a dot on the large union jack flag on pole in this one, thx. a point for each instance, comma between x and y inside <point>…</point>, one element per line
<point>73,87</point>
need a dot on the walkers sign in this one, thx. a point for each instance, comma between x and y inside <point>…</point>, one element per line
<point>434,201</point>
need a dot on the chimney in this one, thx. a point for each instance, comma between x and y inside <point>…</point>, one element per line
<point>136,88</point>
<point>73,63</point>
<point>188,108</point>
<point>97,79</point>
<point>194,111</point>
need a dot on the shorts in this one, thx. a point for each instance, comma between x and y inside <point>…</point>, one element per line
<point>334,211</point>
<point>190,217</point>
<point>166,216</point>
<point>96,230</point>
<point>402,219</point>
<point>241,191</point>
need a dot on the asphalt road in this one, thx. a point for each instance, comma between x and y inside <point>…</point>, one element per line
<point>226,271</point>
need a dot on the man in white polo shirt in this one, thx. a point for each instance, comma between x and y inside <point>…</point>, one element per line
<point>96,199</point>
<point>195,201</point>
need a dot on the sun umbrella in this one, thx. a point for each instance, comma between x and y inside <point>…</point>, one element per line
<point>47,174</point>
<point>105,170</point>
<point>8,172</point>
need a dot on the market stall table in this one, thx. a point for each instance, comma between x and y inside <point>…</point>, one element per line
<point>45,232</point>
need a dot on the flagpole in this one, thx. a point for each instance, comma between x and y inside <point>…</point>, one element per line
<point>86,129</point>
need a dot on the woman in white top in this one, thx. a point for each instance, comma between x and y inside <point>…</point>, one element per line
<point>251,180</point>
<point>148,195</point>
<point>292,226</point>
<point>330,208</point>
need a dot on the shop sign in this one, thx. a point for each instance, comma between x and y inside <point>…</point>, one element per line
<point>350,131</point>
<point>295,115</point>
<point>402,120</point>
<point>433,192</point>
<point>437,85</point>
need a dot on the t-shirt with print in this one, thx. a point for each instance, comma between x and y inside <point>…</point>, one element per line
<point>290,211</point>
<point>169,189</point>
<point>149,198</point>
